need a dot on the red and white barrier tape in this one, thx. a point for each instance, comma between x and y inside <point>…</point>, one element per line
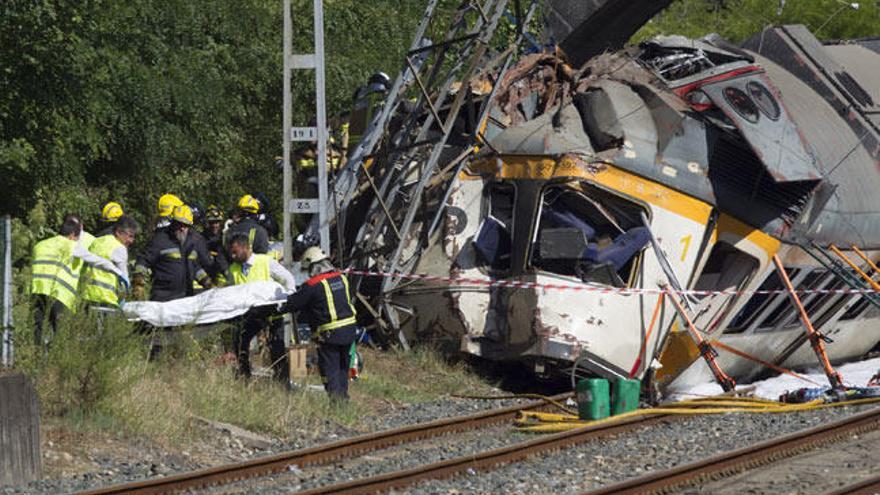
<point>515,284</point>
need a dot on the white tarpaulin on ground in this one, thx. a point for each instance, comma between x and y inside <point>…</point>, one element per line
<point>854,375</point>
<point>210,306</point>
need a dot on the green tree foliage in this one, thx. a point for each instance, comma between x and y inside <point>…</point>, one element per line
<point>106,100</point>
<point>738,20</point>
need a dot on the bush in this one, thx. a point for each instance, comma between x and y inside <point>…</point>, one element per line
<point>84,362</point>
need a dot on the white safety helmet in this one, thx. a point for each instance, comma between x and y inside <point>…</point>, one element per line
<point>311,256</point>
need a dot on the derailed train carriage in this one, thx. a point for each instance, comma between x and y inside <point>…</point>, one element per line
<point>680,162</point>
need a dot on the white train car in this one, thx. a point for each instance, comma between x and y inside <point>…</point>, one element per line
<point>731,156</point>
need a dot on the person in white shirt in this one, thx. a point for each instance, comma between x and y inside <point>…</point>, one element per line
<point>248,267</point>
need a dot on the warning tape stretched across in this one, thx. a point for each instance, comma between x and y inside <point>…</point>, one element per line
<point>515,284</point>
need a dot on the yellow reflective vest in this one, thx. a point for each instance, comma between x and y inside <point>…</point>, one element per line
<point>101,286</point>
<point>55,271</point>
<point>258,272</point>
<point>86,239</point>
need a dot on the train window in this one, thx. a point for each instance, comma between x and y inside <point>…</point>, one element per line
<point>742,104</point>
<point>856,309</point>
<point>860,306</point>
<point>587,232</point>
<point>764,100</point>
<point>493,239</point>
<point>812,302</point>
<point>727,269</point>
<point>787,314</point>
<point>760,303</point>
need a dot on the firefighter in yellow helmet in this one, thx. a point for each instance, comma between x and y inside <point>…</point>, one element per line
<point>248,211</point>
<point>110,213</point>
<point>165,207</point>
<point>171,260</point>
<point>213,234</point>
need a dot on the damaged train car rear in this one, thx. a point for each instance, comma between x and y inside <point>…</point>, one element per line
<point>555,199</point>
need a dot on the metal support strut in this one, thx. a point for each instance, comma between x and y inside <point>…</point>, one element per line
<point>817,340</point>
<point>706,350</point>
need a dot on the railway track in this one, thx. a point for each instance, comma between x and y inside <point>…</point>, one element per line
<point>867,487</point>
<point>487,459</point>
<point>322,454</point>
<point>728,463</point>
<point>658,482</point>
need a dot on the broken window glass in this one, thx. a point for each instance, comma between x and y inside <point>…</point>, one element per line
<point>493,239</point>
<point>764,100</point>
<point>742,104</point>
<point>726,269</point>
<point>589,233</point>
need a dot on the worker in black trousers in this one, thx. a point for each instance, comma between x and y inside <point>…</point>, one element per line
<point>326,299</point>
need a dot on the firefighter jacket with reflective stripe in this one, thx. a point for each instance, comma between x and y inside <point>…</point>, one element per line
<point>173,265</point>
<point>257,272</point>
<point>99,285</point>
<point>214,243</point>
<point>327,302</point>
<point>55,271</point>
<point>256,233</point>
<point>204,265</point>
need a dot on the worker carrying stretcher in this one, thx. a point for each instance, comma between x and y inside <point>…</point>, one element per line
<point>326,299</point>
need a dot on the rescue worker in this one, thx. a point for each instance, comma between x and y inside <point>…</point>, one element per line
<point>110,213</point>
<point>248,210</point>
<point>203,257</point>
<point>165,207</point>
<point>100,287</point>
<point>85,238</point>
<point>248,267</point>
<point>213,234</point>
<point>326,299</point>
<point>265,217</point>
<point>366,100</point>
<point>171,260</point>
<point>55,269</point>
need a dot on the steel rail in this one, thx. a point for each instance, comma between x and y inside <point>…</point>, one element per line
<point>869,486</point>
<point>746,458</point>
<point>485,460</point>
<point>322,454</point>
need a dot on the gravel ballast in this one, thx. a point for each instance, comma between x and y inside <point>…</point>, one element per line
<point>112,471</point>
<point>579,468</point>
<point>571,470</point>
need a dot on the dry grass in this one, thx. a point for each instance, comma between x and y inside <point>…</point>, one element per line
<point>416,376</point>
<point>103,382</point>
<point>162,403</point>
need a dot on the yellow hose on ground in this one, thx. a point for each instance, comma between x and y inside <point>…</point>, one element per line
<point>537,422</point>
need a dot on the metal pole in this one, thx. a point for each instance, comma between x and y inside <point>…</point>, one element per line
<point>287,122</point>
<point>322,126</point>
<point>8,348</point>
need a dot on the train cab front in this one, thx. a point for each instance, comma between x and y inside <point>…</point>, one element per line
<point>562,249</point>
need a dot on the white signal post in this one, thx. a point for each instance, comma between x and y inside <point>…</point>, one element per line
<point>317,134</point>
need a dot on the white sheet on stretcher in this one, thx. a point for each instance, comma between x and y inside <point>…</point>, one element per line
<point>210,306</point>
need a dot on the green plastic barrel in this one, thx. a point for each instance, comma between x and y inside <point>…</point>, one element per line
<point>593,398</point>
<point>625,396</point>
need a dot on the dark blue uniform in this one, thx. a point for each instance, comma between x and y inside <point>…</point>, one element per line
<point>325,301</point>
<point>257,235</point>
<point>174,266</point>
